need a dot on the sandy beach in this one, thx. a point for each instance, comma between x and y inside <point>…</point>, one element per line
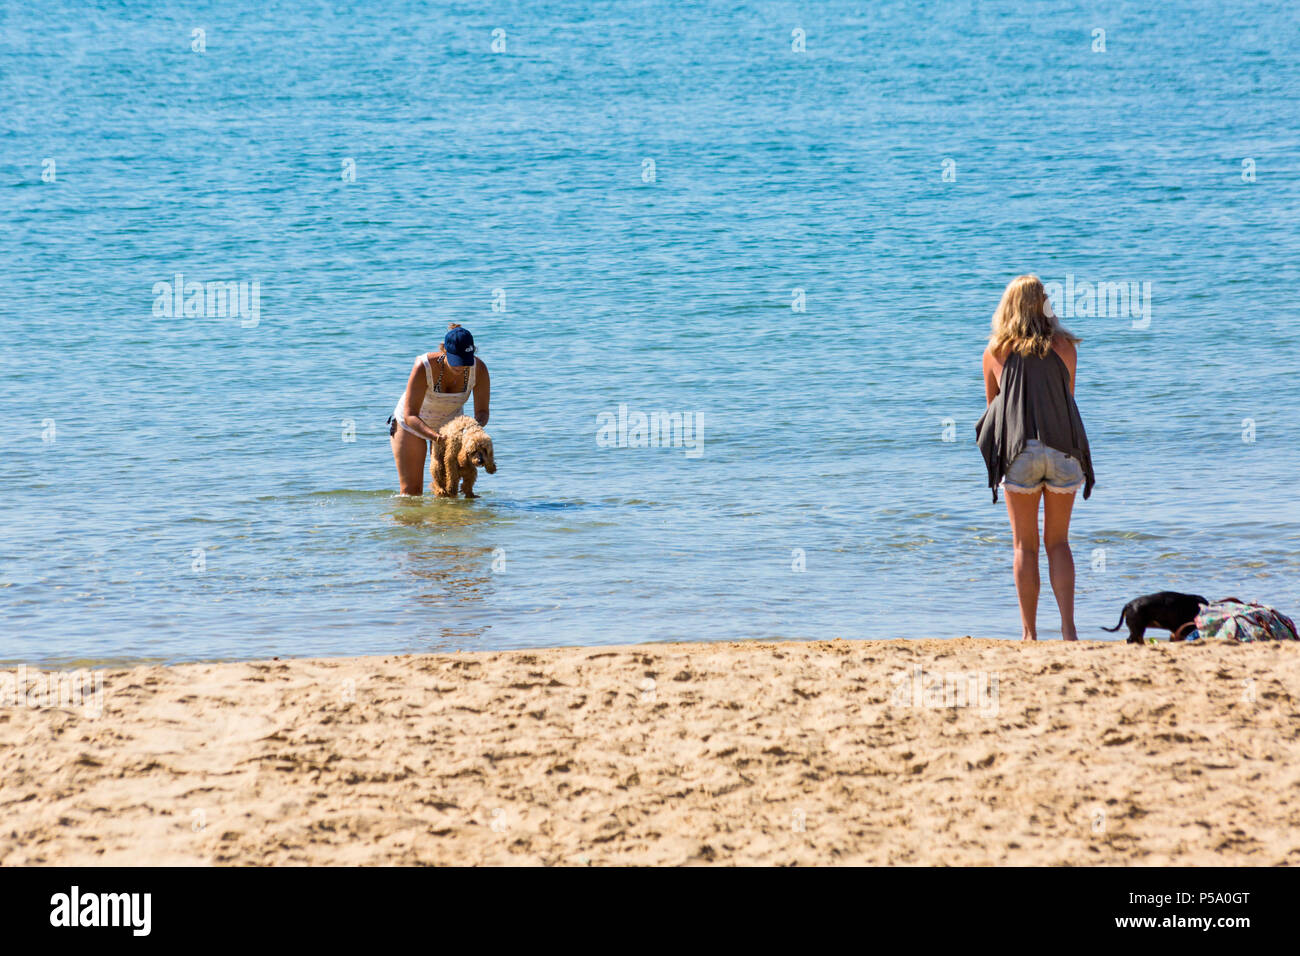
<point>891,752</point>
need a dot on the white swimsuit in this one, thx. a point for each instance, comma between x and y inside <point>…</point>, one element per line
<point>438,408</point>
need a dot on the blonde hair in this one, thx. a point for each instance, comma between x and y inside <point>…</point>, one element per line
<point>1024,322</point>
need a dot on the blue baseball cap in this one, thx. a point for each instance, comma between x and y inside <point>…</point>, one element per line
<point>460,347</point>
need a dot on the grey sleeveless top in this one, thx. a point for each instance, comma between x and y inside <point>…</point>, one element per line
<point>1034,402</point>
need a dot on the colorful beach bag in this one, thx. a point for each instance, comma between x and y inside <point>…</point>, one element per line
<point>1234,620</point>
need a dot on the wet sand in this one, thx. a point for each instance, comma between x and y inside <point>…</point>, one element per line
<point>741,753</point>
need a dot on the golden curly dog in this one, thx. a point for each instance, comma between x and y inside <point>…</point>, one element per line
<point>467,448</point>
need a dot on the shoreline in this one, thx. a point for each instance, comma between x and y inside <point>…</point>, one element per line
<point>993,752</point>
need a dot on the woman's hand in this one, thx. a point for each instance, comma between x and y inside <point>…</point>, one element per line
<point>423,430</point>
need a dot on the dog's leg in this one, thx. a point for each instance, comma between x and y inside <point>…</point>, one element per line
<point>467,477</point>
<point>452,467</point>
<point>439,476</point>
<point>1135,633</point>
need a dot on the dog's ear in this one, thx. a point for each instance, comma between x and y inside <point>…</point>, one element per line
<point>466,449</point>
<point>489,461</point>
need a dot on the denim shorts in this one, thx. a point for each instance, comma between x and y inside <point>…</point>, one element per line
<point>1041,467</point>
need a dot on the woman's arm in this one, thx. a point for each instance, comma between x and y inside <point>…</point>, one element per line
<point>992,367</point>
<point>482,394</point>
<point>416,386</point>
<point>1069,355</point>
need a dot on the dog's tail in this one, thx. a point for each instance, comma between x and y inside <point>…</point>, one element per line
<point>1121,621</point>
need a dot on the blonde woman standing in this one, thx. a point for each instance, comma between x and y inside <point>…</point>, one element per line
<point>1033,441</point>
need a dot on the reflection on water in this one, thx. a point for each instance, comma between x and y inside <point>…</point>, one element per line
<point>451,578</point>
<point>449,573</point>
<point>440,512</point>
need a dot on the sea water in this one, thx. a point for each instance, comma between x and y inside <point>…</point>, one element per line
<point>783,227</point>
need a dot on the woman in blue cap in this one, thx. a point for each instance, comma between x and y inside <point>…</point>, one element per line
<point>439,384</point>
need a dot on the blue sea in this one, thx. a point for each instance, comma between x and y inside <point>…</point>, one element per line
<point>786,224</point>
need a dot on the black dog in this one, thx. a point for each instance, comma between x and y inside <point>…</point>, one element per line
<point>1165,609</point>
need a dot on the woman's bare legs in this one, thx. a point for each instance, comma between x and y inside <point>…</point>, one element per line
<point>1057,507</point>
<point>1022,506</point>
<point>408,454</point>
